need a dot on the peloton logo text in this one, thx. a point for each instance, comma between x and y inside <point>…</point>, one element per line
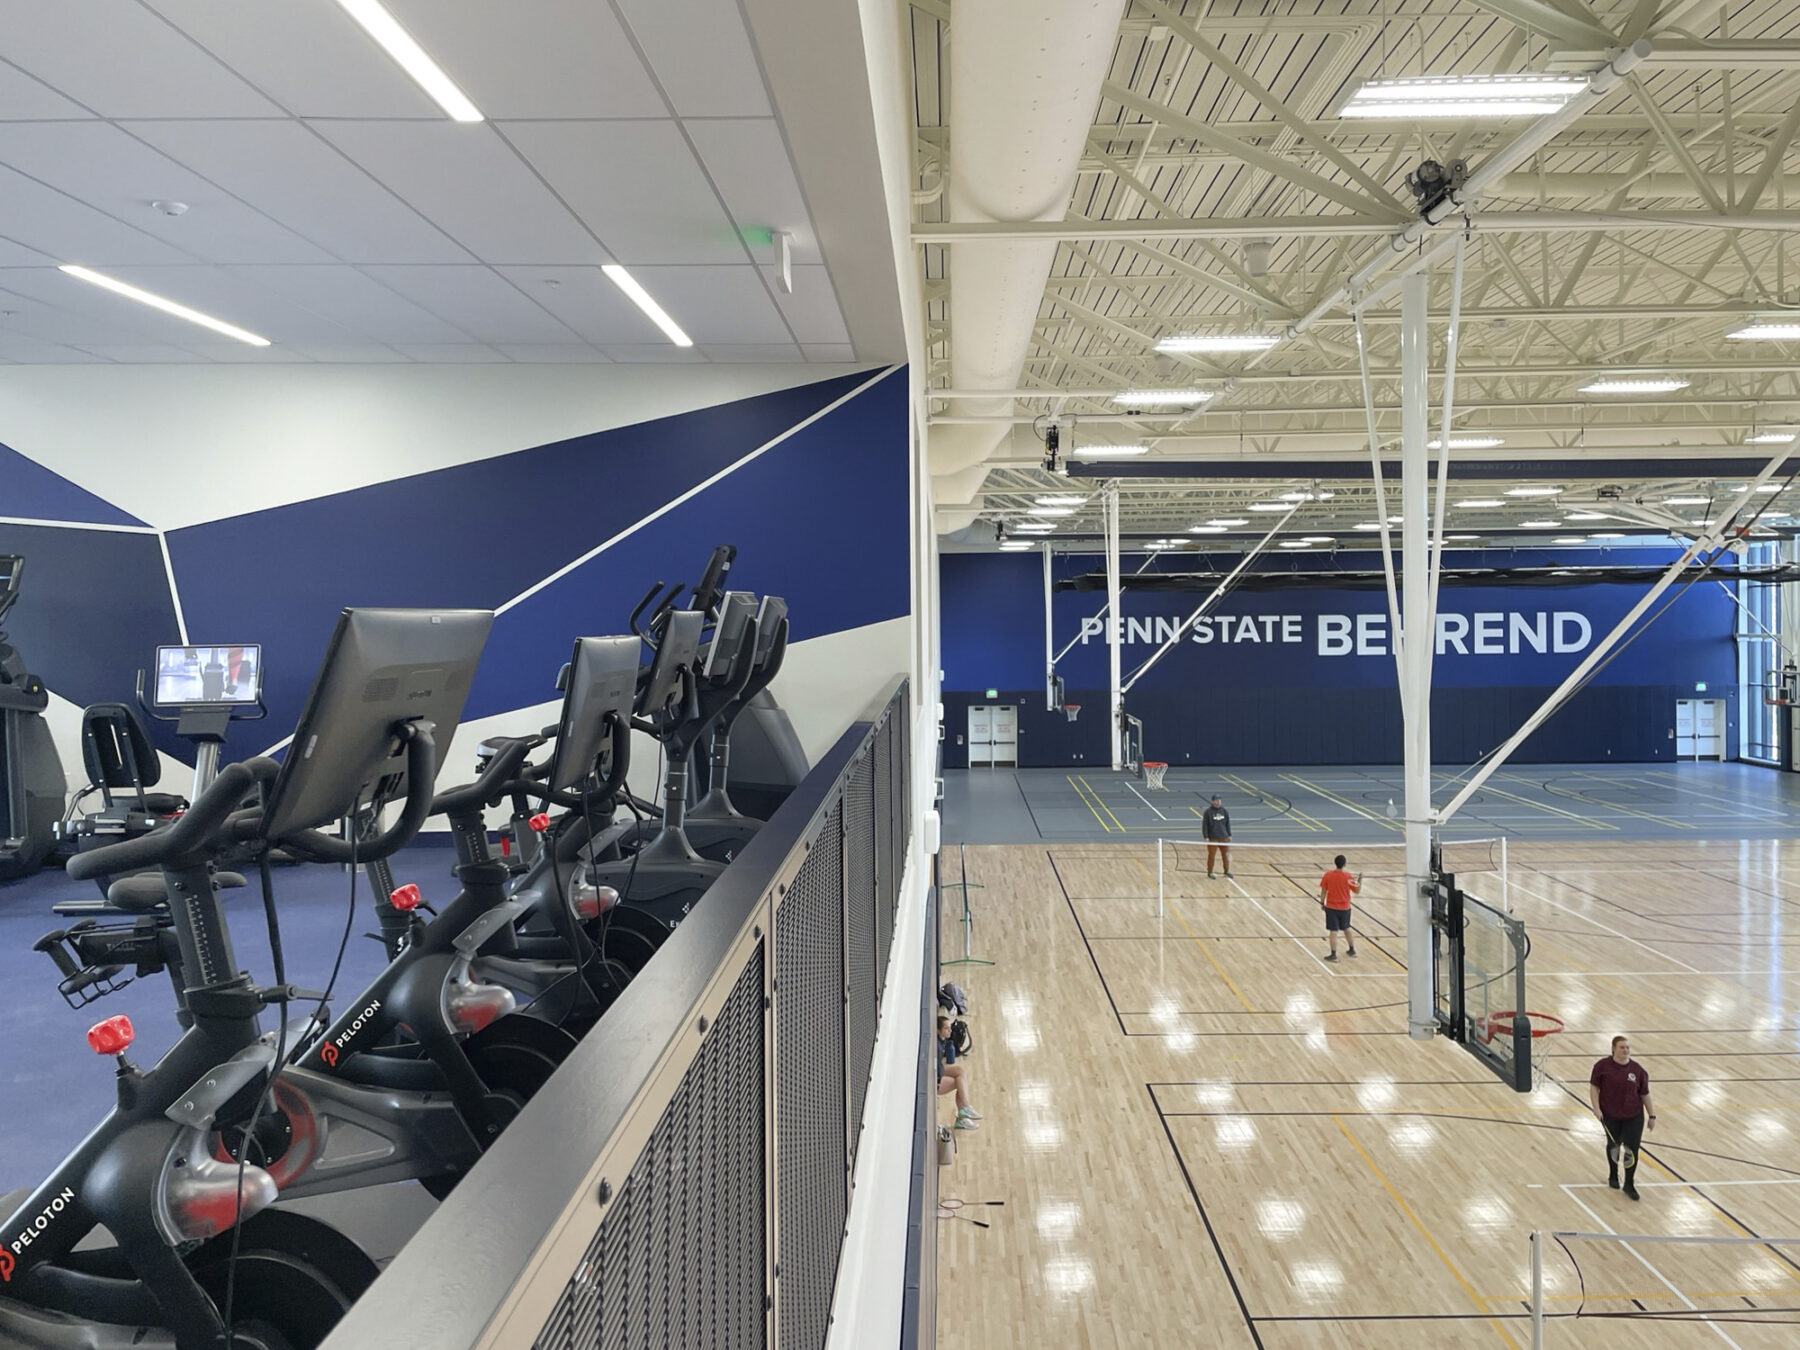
<point>34,1230</point>
<point>331,1049</point>
<point>1491,633</point>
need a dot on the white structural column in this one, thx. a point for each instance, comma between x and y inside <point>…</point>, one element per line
<point>1418,623</point>
<point>1115,629</point>
<point>1049,644</point>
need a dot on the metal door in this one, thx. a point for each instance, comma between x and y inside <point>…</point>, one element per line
<point>981,737</point>
<point>1709,728</point>
<point>1005,739</point>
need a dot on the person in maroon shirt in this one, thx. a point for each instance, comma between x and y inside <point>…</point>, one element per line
<point>1619,1092</point>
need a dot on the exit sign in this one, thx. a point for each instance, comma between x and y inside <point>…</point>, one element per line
<point>995,693</point>
<point>1700,686</point>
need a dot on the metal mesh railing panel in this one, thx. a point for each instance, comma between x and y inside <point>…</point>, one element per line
<point>860,991</point>
<point>887,865</point>
<point>812,1177</point>
<point>679,1258</point>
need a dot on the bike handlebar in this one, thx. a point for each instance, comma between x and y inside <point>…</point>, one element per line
<point>187,840</point>
<point>490,787</point>
<point>421,769</point>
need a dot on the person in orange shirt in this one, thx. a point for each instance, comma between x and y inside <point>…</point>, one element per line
<point>1335,889</point>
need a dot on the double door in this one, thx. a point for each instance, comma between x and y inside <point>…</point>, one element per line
<point>1700,728</point>
<point>993,736</point>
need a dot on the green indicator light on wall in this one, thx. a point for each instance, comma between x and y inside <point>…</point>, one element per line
<point>993,693</point>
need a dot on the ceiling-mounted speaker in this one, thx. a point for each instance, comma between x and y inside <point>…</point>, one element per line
<point>1256,256</point>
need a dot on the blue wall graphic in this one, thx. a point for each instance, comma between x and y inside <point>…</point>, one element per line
<point>1306,676</point>
<point>821,517</point>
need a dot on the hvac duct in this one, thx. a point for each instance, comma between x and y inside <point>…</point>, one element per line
<point>1025,80</point>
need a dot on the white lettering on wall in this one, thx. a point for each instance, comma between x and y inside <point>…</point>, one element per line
<point>1452,629</point>
<point>1490,637</point>
<point>1531,632</point>
<point>1566,617</point>
<point>1334,635</point>
<point>1371,635</point>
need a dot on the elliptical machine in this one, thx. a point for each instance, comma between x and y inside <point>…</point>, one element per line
<point>155,1173</point>
<point>32,786</point>
<point>715,827</point>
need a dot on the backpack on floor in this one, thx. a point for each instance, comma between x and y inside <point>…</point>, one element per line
<point>952,999</point>
<point>961,1039</point>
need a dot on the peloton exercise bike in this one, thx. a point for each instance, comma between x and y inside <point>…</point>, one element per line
<point>155,1174</point>
<point>31,774</point>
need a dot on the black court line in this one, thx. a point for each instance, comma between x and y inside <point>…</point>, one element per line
<point>1265,1012</point>
<point>1098,973</point>
<point>1432,1115</point>
<point>1019,783</point>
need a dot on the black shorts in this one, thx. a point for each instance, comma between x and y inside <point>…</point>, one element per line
<point>1337,921</point>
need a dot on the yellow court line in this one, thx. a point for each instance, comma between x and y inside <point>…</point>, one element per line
<point>1424,1232</point>
<point>1085,802</point>
<point>1103,806</point>
<point>1243,785</point>
<point>1589,821</point>
<point>1342,801</point>
<point>1229,983</point>
<point>1610,806</point>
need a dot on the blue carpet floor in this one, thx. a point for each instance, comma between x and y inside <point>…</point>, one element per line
<point>54,1089</point>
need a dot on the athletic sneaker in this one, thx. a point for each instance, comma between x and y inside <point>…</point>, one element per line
<point>964,1123</point>
<point>1210,877</point>
<point>1228,876</point>
<point>970,1112</point>
<point>1332,956</point>
<point>1630,1191</point>
<point>1612,1179</point>
<point>1350,951</point>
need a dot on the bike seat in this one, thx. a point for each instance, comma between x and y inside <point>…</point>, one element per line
<point>397,1068</point>
<point>144,891</point>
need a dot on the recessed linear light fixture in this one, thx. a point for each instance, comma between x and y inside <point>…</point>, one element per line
<point>1606,384</point>
<point>1271,506</point>
<point>1587,515</point>
<point>1569,539</point>
<point>1108,451</point>
<point>1016,545</point>
<point>1367,525</point>
<point>1459,537</point>
<point>165,305</point>
<point>1295,543</point>
<point>1061,499</point>
<point>1686,501</point>
<point>1219,342</point>
<point>1228,520</point>
<point>1208,529</point>
<point>1033,526</point>
<point>1306,496</point>
<point>1162,398</point>
<point>1533,491</point>
<point>1764,331</point>
<point>1050,511</point>
<point>1468,443</point>
<point>1772,438</point>
<point>1482,503</point>
<point>641,298</point>
<point>1606,536</point>
<point>1463,96</point>
<point>1539,524</point>
<point>410,57</point>
<point>1317,539</point>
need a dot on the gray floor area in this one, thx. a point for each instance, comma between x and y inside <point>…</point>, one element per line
<point>1297,805</point>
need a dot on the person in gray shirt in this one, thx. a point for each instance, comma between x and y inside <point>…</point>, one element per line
<point>1215,825</point>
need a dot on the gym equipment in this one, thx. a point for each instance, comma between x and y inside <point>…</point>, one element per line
<point>209,688</point>
<point>155,1173</point>
<point>32,786</point>
<point>715,827</point>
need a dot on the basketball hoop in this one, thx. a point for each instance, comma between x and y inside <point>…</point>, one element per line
<point>1153,773</point>
<point>1501,1024</point>
<point>1071,711</point>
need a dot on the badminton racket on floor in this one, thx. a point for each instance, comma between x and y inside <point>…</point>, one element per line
<point>1618,1150</point>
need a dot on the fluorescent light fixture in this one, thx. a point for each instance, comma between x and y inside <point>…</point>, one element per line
<point>411,58</point>
<point>1219,342</point>
<point>1396,520</point>
<point>1604,384</point>
<point>1307,496</point>
<point>1051,511</point>
<point>1016,545</point>
<point>1686,501</point>
<point>1061,499</point>
<point>1463,96</point>
<point>1449,537</point>
<point>641,298</point>
<point>1162,398</point>
<point>1228,520</point>
<point>1270,506</point>
<point>1771,438</point>
<point>1606,536</point>
<point>1468,443</point>
<point>1207,529</point>
<point>1482,503</point>
<point>1533,491</point>
<point>1367,525</point>
<point>1295,543</point>
<point>1317,539</point>
<point>1587,515</point>
<point>1764,331</point>
<point>1033,526</point>
<point>1539,524</point>
<point>1700,522</point>
<point>166,306</point>
<point>1109,451</point>
<point>1569,539</point>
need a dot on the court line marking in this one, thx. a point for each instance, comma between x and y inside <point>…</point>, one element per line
<point>1567,795</point>
<point>1229,982</point>
<point>1102,801</point>
<point>1425,1232</point>
<point>1085,802</point>
<point>1644,1261</point>
<point>1342,801</point>
<point>1146,801</point>
<point>1520,885</point>
<point>1589,821</point>
<point>1694,1185</point>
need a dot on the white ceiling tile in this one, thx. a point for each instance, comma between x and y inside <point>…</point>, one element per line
<point>237,354</point>
<point>113,172</point>
<point>749,164</point>
<point>68,231</point>
<point>828,351</point>
<point>351,354</point>
<point>586,302</point>
<point>751,353</point>
<point>147,354</point>
<point>17,255</point>
<point>668,354</point>
<point>122,60</point>
<point>23,98</point>
<point>554,353</point>
<point>534,58</point>
<point>43,305</point>
<point>700,52</point>
<point>469,182</point>
<point>476,299</point>
<point>358,303</point>
<point>284,170</point>
<point>308,55</point>
<point>47,354</point>
<point>636,184</point>
<point>716,304</point>
<point>811,309</point>
<point>211,290</point>
<point>451,353</point>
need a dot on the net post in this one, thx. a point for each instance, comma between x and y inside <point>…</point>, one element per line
<point>1537,1289</point>
<point>1159,877</point>
<point>1505,879</point>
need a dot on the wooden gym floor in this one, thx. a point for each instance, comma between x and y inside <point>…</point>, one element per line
<point>1199,1134</point>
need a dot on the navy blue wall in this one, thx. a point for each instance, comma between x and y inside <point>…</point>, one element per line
<point>1278,676</point>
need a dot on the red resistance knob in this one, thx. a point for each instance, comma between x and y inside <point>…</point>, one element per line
<point>111,1037</point>
<point>406,897</point>
<point>539,823</point>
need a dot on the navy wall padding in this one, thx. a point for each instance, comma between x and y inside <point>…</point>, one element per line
<point>1286,702</point>
<point>33,492</point>
<point>93,607</point>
